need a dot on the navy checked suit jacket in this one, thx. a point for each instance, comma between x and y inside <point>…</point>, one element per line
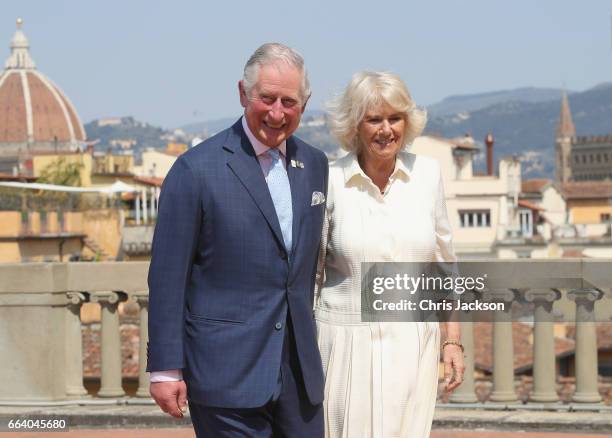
<point>220,283</point>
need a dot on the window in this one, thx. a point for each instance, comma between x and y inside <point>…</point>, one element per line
<point>605,369</point>
<point>475,218</point>
<point>526,222</point>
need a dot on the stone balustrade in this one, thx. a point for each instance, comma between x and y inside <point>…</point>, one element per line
<point>42,358</point>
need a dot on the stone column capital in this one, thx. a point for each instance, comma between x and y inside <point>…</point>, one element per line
<point>77,298</point>
<point>542,296</point>
<point>140,297</point>
<point>500,295</point>
<point>108,297</point>
<point>584,295</point>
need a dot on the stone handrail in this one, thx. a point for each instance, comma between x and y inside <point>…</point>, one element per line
<point>40,328</point>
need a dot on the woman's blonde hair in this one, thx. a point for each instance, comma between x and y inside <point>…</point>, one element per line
<point>369,90</point>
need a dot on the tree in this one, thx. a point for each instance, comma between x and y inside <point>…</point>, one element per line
<point>61,172</point>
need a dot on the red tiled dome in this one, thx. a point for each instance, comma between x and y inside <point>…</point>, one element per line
<point>33,110</point>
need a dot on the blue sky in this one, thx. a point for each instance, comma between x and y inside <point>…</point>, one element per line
<point>173,63</point>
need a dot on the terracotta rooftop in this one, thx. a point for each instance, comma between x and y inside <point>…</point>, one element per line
<point>522,344</point>
<point>17,178</point>
<point>534,185</point>
<point>604,335</point>
<point>587,190</point>
<point>523,348</point>
<point>530,205</point>
<point>483,340</point>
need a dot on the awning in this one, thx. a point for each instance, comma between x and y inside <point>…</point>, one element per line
<point>117,187</point>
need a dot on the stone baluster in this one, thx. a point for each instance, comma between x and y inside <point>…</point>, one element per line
<point>74,346</point>
<point>145,209</point>
<point>503,348</point>
<point>466,393</point>
<point>111,343</point>
<point>544,369</point>
<point>152,202</point>
<point>137,205</point>
<point>142,298</point>
<point>586,345</point>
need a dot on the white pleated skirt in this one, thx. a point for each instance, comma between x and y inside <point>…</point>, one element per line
<point>381,378</point>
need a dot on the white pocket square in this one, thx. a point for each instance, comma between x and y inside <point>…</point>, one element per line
<point>317,198</point>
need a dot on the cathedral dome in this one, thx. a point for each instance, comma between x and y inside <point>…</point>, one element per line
<point>35,115</point>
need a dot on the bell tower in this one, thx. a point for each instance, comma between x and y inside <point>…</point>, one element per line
<point>565,134</point>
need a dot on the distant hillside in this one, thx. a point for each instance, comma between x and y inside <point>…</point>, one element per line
<point>528,128</point>
<point>124,130</point>
<point>318,136</point>
<point>475,102</point>
<point>523,122</point>
<point>127,134</point>
<point>312,129</point>
<point>211,127</point>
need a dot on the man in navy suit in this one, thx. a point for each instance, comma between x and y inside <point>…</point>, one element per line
<point>233,267</point>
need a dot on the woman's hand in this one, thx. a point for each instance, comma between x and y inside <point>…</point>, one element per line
<point>454,367</point>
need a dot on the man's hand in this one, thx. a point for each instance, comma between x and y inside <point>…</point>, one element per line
<point>171,397</point>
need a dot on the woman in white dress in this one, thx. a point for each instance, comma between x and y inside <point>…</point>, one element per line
<point>383,205</point>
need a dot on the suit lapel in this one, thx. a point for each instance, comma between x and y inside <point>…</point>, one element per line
<point>299,189</point>
<point>244,164</point>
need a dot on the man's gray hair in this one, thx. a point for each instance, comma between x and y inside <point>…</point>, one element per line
<point>271,53</point>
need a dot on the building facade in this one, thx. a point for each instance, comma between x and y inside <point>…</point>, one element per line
<point>585,158</point>
<point>482,209</point>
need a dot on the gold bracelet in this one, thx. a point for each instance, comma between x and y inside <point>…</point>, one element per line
<point>453,342</point>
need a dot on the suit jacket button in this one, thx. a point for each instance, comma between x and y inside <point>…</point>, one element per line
<point>282,254</point>
<point>278,326</point>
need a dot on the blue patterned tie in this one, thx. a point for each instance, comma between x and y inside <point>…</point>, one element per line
<point>278,184</point>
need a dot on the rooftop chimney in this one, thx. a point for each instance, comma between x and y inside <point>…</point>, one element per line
<point>489,142</point>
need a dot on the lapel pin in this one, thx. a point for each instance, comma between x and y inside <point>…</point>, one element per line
<point>299,164</point>
<point>293,163</point>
